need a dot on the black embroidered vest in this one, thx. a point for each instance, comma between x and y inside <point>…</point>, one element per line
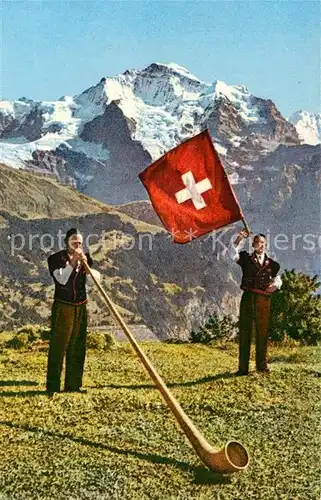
<point>256,278</point>
<point>74,291</point>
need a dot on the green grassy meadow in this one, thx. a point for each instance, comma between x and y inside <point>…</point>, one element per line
<point>120,441</point>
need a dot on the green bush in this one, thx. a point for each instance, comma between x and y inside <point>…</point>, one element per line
<point>110,341</point>
<point>32,331</point>
<point>176,340</point>
<point>24,337</point>
<point>215,329</point>
<point>296,309</point>
<point>19,341</point>
<point>45,333</point>
<point>31,335</point>
<point>96,341</point>
<point>101,341</point>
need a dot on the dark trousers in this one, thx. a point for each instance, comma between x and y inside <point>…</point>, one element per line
<point>68,337</point>
<point>255,313</point>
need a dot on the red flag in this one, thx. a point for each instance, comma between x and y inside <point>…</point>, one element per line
<point>190,191</point>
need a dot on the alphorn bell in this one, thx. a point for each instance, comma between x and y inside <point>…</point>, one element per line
<point>232,458</point>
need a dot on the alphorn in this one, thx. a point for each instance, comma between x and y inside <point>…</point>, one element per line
<point>232,458</point>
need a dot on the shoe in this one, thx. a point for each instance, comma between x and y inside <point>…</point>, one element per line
<point>240,373</point>
<point>51,394</point>
<point>265,371</point>
<point>82,391</point>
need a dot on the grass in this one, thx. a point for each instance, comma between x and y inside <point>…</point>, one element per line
<point>119,441</point>
<point>171,288</point>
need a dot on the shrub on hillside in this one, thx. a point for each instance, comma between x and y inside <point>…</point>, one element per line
<point>100,341</point>
<point>32,331</point>
<point>96,341</point>
<point>296,309</point>
<point>215,329</point>
<point>45,333</point>
<point>176,340</point>
<point>19,341</point>
<point>110,341</point>
<point>28,336</point>
<point>24,337</point>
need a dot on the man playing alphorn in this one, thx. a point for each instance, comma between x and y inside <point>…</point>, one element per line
<point>69,314</point>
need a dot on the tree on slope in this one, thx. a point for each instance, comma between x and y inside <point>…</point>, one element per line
<point>297,309</point>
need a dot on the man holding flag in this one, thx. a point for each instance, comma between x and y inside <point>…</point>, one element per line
<point>259,282</point>
<point>192,196</point>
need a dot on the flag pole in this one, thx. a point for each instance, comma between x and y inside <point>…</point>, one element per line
<point>246,226</point>
<point>232,457</point>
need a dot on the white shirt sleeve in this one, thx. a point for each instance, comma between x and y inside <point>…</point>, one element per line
<point>234,251</point>
<point>277,282</point>
<point>96,275</point>
<point>62,275</point>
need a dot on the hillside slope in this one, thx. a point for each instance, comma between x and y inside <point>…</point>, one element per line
<point>120,441</point>
<point>29,195</point>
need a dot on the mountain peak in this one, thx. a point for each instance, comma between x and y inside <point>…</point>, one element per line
<point>92,100</point>
<point>230,91</point>
<point>182,71</point>
<point>170,69</point>
<point>308,126</point>
<point>25,99</point>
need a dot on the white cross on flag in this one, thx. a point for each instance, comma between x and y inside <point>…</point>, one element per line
<point>190,191</point>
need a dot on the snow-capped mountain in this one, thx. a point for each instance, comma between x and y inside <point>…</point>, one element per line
<point>107,134</point>
<point>308,126</point>
<point>98,141</point>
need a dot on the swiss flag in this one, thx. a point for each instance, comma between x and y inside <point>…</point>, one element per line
<point>190,191</point>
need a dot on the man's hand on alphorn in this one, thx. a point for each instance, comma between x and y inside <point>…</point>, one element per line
<point>78,256</point>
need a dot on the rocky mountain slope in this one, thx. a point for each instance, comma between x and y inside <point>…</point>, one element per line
<point>94,144</point>
<point>171,288</point>
<point>168,287</point>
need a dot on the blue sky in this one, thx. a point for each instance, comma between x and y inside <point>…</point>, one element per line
<point>53,48</point>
